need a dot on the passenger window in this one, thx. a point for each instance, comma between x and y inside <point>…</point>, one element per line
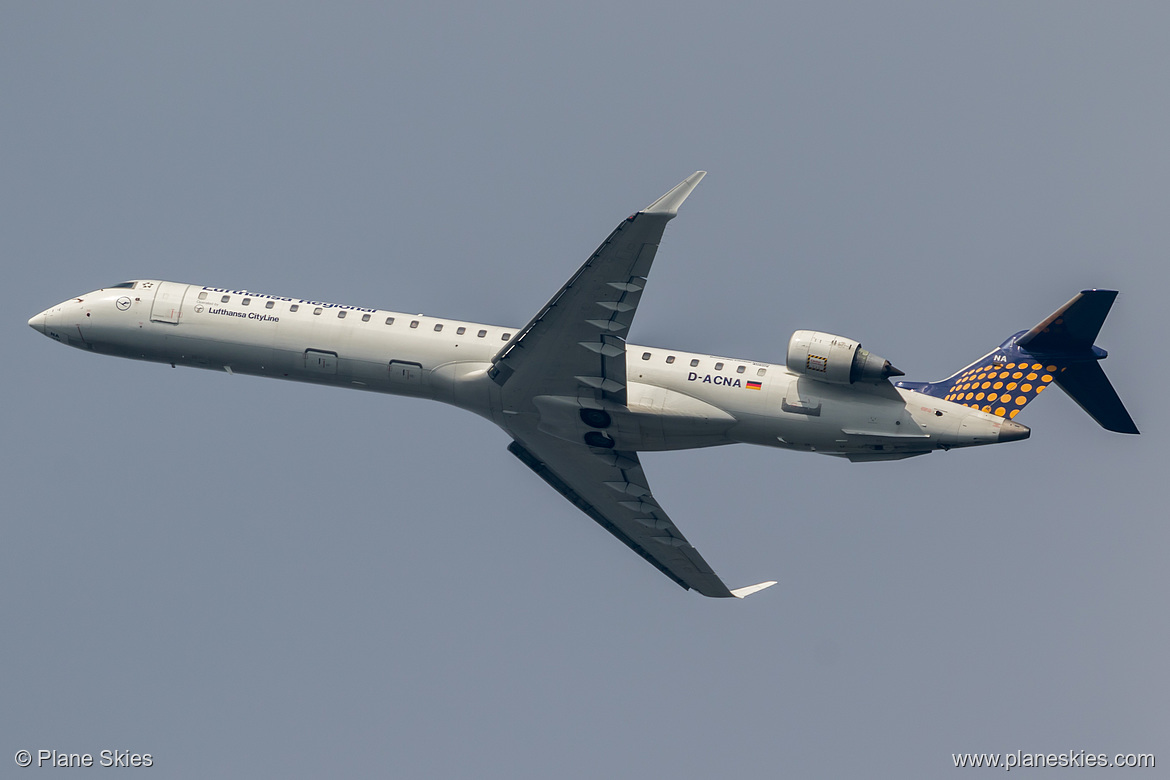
<point>203,296</point>
<point>317,310</point>
<point>294,307</point>
<point>670,359</point>
<point>438,327</point>
<point>246,301</point>
<point>718,366</point>
<point>505,337</point>
<point>741,369</point>
<point>389,320</point>
<point>761,372</point>
<point>461,331</point>
<point>414,323</point>
<point>481,334</point>
<point>365,318</point>
<point>694,363</point>
<point>645,355</point>
<point>225,299</point>
<point>270,304</point>
<point>341,314</point>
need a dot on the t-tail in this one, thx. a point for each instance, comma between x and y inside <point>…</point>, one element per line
<point>1059,349</point>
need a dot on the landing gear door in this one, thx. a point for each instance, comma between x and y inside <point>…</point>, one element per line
<point>168,302</point>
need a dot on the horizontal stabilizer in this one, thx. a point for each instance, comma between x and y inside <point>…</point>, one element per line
<point>743,593</point>
<point>1073,327</point>
<point>1087,384</point>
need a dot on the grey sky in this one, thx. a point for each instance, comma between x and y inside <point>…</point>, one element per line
<point>248,578</point>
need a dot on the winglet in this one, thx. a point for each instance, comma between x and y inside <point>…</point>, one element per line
<point>668,204</point>
<point>742,593</point>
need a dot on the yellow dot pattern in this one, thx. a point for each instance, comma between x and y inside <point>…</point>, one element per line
<point>1024,381</point>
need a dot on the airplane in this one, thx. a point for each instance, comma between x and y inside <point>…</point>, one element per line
<point>580,402</point>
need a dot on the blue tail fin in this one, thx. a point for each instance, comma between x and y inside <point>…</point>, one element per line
<point>1059,349</point>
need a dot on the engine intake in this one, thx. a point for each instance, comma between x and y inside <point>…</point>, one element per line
<point>836,359</point>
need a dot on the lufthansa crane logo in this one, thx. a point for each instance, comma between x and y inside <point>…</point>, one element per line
<point>122,303</point>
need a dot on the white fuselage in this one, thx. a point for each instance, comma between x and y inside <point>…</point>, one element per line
<point>676,399</point>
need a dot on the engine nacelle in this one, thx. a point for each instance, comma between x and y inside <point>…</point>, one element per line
<point>836,359</point>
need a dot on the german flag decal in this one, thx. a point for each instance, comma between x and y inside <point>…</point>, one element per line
<point>754,385</point>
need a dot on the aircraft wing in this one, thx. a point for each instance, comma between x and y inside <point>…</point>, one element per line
<point>610,487</point>
<point>575,347</point>
<point>577,341</point>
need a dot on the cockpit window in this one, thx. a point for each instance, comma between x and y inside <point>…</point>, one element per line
<point>122,286</point>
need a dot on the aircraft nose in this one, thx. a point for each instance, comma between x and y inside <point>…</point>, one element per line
<point>1013,431</point>
<point>37,323</point>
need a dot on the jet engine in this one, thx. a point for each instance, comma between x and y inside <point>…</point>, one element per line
<point>836,359</point>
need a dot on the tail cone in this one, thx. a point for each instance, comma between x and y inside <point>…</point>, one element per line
<point>1013,431</point>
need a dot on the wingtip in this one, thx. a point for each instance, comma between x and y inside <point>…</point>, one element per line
<point>668,204</point>
<point>742,593</point>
